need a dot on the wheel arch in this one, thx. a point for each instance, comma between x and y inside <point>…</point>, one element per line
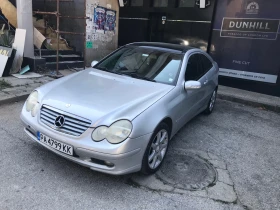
<point>169,122</point>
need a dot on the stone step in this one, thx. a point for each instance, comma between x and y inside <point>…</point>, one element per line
<point>65,64</point>
<point>53,52</point>
<point>71,57</point>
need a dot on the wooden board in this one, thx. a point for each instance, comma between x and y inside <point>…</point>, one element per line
<point>38,38</point>
<point>10,12</point>
<point>3,62</point>
<point>19,46</point>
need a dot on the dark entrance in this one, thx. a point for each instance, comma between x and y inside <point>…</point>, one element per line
<point>185,23</point>
<point>157,27</point>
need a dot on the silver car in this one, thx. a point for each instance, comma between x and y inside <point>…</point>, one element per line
<point>119,116</point>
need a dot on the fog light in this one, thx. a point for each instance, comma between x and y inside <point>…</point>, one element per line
<point>109,164</point>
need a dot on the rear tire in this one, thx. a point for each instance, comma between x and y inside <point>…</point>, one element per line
<point>156,149</point>
<point>211,103</point>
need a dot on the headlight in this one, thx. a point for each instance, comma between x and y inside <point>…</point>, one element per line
<point>35,109</point>
<point>32,103</point>
<point>99,133</point>
<point>116,133</point>
<point>119,131</point>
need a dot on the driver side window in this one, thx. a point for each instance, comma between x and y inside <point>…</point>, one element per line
<point>193,71</point>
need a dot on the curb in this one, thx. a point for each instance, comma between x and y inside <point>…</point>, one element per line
<point>14,99</point>
<point>270,107</point>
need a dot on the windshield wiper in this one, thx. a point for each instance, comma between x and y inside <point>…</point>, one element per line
<point>103,68</point>
<point>123,68</point>
<point>137,76</point>
<point>131,74</point>
<point>107,70</point>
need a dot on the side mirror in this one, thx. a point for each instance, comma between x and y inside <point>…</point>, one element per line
<point>192,85</point>
<point>93,63</point>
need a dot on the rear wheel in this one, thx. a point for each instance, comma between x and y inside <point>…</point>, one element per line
<point>211,103</point>
<point>156,150</point>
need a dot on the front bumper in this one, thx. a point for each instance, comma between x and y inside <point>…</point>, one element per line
<point>124,158</point>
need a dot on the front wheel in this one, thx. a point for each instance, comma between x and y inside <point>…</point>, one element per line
<point>156,150</point>
<point>211,103</point>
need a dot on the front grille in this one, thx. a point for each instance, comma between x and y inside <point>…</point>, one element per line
<point>73,125</point>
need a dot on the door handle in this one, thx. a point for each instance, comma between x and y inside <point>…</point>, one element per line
<point>205,82</point>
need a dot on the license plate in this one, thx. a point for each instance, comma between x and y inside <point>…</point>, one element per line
<point>67,149</point>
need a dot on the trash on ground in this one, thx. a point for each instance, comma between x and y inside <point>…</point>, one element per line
<point>24,70</point>
<point>27,75</point>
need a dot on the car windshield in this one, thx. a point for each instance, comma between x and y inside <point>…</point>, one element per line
<point>144,63</point>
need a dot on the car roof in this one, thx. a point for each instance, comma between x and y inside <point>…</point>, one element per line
<point>166,46</point>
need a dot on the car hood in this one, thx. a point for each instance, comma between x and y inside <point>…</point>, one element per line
<point>102,97</point>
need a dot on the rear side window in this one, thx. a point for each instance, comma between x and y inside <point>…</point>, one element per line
<point>194,69</point>
<point>206,63</point>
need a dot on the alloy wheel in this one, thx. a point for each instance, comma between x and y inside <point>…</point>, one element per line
<point>158,149</point>
<point>212,101</point>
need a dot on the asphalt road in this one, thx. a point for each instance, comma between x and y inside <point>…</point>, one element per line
<point>246,138</point>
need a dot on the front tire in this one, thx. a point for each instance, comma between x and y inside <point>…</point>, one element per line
<point>156,149</point>
<point>211,103</point>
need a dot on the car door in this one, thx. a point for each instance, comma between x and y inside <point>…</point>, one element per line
<point>210,73</point>
<point>192,100</point>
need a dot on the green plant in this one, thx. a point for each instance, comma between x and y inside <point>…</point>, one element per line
<point>6,38</point>
<point>4,84</point>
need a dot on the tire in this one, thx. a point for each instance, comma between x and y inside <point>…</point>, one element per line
<point>211,103</point>
<point>159,149</point>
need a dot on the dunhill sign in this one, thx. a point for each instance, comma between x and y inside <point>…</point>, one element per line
<point>262,25</point>
<point>250,28</point>
<point>249,25</point>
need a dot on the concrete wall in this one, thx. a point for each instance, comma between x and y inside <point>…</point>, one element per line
<point>74,8</point>
<point>103,42</point>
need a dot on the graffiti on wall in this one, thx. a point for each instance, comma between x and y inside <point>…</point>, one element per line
<point>99,18</point>
<point>110,23</point>
<point>101,25</point>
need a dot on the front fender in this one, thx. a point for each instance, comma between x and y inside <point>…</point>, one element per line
<point>166,107</point>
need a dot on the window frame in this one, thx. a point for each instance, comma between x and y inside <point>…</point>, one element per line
<point>198,65</point>
<point>202,63</point>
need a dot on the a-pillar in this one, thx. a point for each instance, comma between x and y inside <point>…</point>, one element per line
<point>25,21</point>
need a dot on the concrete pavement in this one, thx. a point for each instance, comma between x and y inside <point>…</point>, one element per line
<point>271,103</point>
<point>19,89</point>
<point>246,139</point>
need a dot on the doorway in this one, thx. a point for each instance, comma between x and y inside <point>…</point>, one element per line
<point>157,27</point>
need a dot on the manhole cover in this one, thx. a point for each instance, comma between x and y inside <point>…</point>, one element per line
<point>187,171</point>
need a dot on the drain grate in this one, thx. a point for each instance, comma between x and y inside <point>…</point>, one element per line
<point>187,171</point>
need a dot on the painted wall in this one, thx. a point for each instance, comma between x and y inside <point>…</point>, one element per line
<point>246,44</point>
<point>102,28</point>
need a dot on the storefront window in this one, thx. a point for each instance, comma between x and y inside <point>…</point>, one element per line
<point>160,3</point>
<point>186,3</point>
<point>136,3</point>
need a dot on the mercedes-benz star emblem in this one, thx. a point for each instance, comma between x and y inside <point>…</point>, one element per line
<point>59,121</point>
